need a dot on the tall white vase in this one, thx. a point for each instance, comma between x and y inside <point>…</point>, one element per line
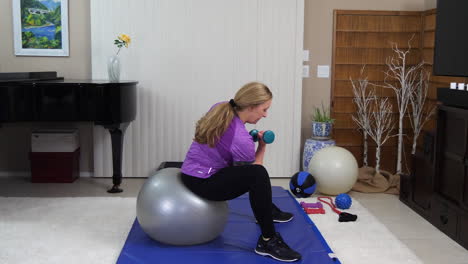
<point>113,68</point>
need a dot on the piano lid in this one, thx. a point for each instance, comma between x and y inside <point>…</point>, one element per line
<point>51,77</point>
<point>26,97</point>
<point>81,81</point>
<point>28,76</point>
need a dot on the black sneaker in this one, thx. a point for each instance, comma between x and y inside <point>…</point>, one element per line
<point>276,248</point>
<point>280,216</point>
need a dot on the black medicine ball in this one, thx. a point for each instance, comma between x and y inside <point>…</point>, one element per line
<point>302,184</point>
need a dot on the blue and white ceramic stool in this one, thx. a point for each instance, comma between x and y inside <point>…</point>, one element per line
<point>310,147</point>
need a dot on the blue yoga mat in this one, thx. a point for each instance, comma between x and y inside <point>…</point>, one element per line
<point>237,242</point>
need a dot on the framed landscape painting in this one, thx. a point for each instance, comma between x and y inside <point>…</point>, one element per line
<point>40,27</point>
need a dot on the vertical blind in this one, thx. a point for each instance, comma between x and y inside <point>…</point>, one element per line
<point>188,55</point>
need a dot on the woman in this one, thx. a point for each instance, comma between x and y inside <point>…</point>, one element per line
<point>222,164</point>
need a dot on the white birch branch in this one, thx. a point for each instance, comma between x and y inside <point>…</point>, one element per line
<point>420,114</point>
<point>406,78</point>
<point>381,125</point>
<point>362,99</point>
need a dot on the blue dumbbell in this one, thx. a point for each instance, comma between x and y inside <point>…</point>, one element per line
<point>268,136</point>
<point>254,134</point>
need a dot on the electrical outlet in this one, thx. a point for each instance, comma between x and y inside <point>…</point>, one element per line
<point>305,71</point>
<point>305,55</point>
<point>323,71</point>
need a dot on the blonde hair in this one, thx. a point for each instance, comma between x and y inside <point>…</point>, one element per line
<point>213,124</point>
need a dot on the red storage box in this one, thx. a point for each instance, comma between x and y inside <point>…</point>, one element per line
<point>55,167</point>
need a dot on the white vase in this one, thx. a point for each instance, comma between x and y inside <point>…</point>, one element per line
<point>310,147</point>
<point>113,68</point>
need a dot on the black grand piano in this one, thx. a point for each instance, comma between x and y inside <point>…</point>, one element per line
<point>44,97</point>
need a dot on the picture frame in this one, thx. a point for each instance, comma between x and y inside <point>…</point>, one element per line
<point>40,28</point>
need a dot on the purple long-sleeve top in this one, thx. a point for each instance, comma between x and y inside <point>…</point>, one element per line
<point>235,146</point>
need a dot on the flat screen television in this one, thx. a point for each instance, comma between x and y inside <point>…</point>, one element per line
<point>451,38</point>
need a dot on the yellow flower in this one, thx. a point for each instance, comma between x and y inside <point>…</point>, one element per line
<point>125,38</point>
<point>122,40</point>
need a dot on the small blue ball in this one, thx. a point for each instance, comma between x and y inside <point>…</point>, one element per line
<point>343,201</point>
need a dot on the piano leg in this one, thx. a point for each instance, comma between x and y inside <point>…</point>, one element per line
<point>117,135</point>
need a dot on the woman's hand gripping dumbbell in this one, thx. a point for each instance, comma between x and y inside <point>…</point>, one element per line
<point>268,136</point>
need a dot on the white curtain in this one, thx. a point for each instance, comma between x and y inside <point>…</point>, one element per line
<point>186,56</point>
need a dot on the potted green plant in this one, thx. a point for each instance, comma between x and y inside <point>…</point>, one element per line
<point>322,123</point>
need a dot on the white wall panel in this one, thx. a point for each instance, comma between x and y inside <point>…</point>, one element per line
<point>190,54</point>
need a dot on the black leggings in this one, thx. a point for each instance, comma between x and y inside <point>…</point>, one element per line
<point>232,182</point>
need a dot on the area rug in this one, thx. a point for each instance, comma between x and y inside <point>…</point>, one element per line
<point>64,230</point>
<point>94,229</point>
<point>366,241</point>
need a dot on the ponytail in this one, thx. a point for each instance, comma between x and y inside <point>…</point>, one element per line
<point>213,124</point>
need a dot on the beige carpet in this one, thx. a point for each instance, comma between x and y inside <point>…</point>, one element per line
<point>366,241</point>
<point>64,230</point>
<point>93,230</point>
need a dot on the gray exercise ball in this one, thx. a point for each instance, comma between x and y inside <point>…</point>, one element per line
<point>170,213</point>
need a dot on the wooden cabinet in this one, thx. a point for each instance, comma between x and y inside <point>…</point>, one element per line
<point>463,230</point>
<point>452,154</point>
<point>422,181</point>
<point>416,190</point>
<point>437,189</point>
<point>450,199</point>
<point>449,204</point>
<point>444,216</point>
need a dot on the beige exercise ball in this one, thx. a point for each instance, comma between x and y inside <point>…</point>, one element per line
<point>335,170</point>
